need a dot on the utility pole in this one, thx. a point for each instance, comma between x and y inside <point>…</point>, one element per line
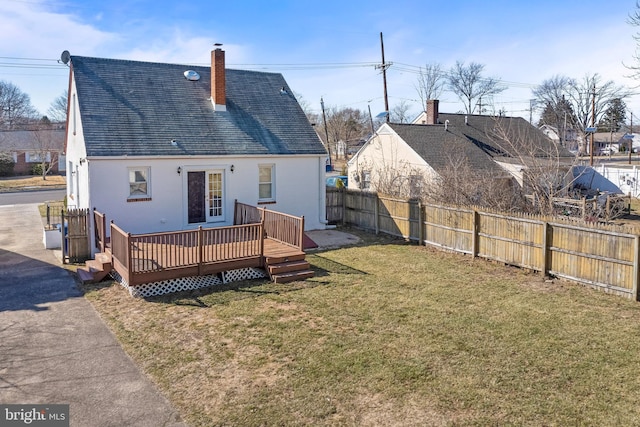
<point>384,67</point>
<point>631,139</point>
<point>593,122</point>
<point>326,132</point>
<point>531,101</point>
<point>370,119</point>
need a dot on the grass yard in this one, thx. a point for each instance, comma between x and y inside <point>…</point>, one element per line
<point>16,183</point>
<point>388,334</point>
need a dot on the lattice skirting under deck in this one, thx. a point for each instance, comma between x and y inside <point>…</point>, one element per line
<point>188,283</point>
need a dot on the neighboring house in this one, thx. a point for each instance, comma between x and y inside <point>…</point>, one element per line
<point>438,144</point>
<point>606,142</point>
<point>570,141</point>
<point>162,147</point>
<point>29,147</point>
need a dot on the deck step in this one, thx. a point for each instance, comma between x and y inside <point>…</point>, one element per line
<point>95,270</point>
<point>85,275</point>
<point>271,260</point>
<point>287,267</point>
<point>292,276</point>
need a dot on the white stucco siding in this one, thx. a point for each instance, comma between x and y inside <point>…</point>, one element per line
<point>76,174</point>
<point>297,189</point>
<point>387,153</point>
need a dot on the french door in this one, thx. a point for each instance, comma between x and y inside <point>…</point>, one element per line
<point>205,201</point>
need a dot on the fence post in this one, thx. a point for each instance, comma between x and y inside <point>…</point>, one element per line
<point>545,248</point>
<point>376,214</point>
<point>343,194</point>
<point>636,266</point>
<point>64,238</point>
<point>475,234</point>
<point>419,223</point>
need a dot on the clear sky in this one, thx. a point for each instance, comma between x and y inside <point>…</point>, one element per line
<point>328,48</point>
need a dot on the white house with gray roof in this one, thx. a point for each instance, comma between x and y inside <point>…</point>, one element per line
<point>407,158</point>
<point>162,147</point>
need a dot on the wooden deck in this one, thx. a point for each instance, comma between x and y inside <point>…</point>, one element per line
<point>274,245</point>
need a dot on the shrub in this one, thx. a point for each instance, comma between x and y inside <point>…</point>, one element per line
<point>6,164</point>
<point>36,169</point>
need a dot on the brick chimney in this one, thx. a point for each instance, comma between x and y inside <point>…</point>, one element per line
<point>432,111</point>
<point>218,84</point>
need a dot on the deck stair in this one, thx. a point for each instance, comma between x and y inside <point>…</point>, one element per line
<point>95,270</point>
<point>284,269</point>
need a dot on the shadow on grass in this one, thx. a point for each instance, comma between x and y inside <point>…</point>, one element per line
<point>322,266</point>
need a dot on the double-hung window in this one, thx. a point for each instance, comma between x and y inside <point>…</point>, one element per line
<point>139,183</point>
<point>266,183</point>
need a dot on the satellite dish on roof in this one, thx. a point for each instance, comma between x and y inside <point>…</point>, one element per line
<point>65,57</point>
<point>191,75</point>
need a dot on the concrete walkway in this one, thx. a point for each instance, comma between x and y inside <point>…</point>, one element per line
<point>54,348</point>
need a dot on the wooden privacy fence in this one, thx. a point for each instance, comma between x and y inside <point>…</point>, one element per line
<point>601,256</point>
<point>75,226</point>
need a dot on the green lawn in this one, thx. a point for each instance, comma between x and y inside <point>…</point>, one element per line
<point>388,334</point>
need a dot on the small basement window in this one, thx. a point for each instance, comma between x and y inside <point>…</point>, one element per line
<point>139,182</point>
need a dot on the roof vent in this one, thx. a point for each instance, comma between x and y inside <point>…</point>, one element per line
<point>191,75</point>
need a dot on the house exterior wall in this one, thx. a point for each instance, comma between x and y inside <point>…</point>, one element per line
<point>386,156</point>
<point>76,171</point>
<point>299,190</point>
<point>516,171</point>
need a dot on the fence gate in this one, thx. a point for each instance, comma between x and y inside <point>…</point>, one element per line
<point>76,235</point>
<point>335,205</point>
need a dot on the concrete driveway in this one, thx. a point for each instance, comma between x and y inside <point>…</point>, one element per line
<point>54,348</point>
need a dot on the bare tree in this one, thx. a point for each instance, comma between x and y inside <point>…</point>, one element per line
<point>590,97</point>
<point>634,20</point>
<point>400,112</point>
<point>431,83</point>
<point>15,106</point>
<point>544,169</point>
<point>45,146</point>
<point>572,103</point>
<point>57,111</point>
<point>469,85</point>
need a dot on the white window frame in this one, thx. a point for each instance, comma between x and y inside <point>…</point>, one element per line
<point>146,172</point>
<point>271,183</point>
<point>36,157</point>
<point>366,180</point>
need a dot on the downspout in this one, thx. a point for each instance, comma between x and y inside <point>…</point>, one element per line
<point>322,190</point>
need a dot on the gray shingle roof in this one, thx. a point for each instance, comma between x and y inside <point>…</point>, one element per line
<point>136,108</point>
<point>477,142</point>
<point>441,148</point>
<point>25,140</point>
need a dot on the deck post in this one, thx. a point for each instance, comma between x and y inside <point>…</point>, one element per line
<point>262,237</point>
<point>235,212</point>
<point>200,250</point>
<point>301,236</point>
<point>129,259</point>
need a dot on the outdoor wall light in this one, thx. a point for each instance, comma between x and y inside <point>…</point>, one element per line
<point>179,170</point>
<point>232,168</point>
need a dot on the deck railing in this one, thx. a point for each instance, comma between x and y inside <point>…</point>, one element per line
<point>153,257</point>
<point>287,229</point>
<point>143,258</point>
<point>284,228</point>
<point>100,229</point>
